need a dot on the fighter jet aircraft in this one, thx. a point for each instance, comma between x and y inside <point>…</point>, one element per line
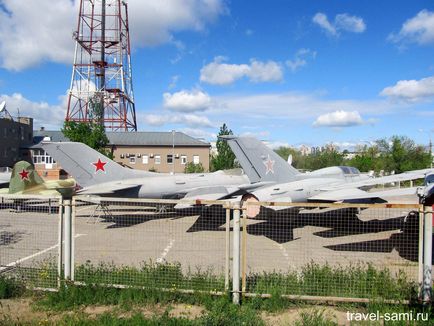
<point>331,184</point>
<point>98,175</point>
<point>26,181</point>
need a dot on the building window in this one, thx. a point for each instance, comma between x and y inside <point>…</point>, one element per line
<point>169,159</point>
<point>183,159</point>
<point>157,159</point>
<point>145,159</point>
<point>40,156</point>
<point>196,159</point>
<point>132,159</point>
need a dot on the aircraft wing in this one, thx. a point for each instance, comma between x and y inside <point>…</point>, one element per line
<point>107,189</point>
<point>406,176</point>
<point>217,193</point>
<point>356,195</point>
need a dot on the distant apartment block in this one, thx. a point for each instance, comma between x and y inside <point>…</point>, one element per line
<point>16,135</point>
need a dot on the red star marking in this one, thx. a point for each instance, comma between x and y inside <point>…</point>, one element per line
<point>99,166</point>
<point>269,165</point>
<point>24,175</point>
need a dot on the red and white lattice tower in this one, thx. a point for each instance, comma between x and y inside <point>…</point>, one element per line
<point>101,72</point>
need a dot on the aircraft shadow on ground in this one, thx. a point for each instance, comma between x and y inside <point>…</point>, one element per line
<point>7,238</point>
<point>279,226</point>
<point>405,242</point>
<point>130,216</point>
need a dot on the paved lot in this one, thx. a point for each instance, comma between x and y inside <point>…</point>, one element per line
<point>286,240</point>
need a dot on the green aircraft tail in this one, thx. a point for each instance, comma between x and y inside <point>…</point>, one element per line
<point>24,177</point>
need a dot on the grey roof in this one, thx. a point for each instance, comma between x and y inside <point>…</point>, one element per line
<point>139,138</point>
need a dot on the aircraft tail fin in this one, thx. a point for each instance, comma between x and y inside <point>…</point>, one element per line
<point>23,177</point>
<point>86,165</point>
<point>259,162</point>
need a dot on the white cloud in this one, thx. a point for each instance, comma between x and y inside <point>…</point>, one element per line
<point>220,73</point>
<point>184,119</point>
<point>269,71</point>
<point>43,114</point>
<point>339,119</point>
<point>419,29</point>
<point>342,22</point>
<point>349,23</point>
<point>187,101</point>
<point>300,59</point>
<point>35,31</point>
<point>322,20</point>
<point>411,90</point>
<point>155,22</point>
<point>276,144</point>
<point>259,134</point>
<point>32,32</point>
<point>294,106</point>
<point>173,82</point>
<point>199,133</point>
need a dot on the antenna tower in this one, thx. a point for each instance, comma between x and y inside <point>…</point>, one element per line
<point>101,87</point>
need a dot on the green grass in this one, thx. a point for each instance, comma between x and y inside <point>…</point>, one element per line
<point>151,275</point>
<point>42,274</point>
<point>10,287</point>
<point>219,310</point>
<point>359,281</point>
<point>316,317</point>
<point>136,320</point>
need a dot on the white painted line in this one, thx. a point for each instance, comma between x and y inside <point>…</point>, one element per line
<point>284,252</point>
<point>13,264</point>
<point>165,251</point>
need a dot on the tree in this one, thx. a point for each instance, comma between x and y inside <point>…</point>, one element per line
<point>298,160</point>
<point>91,134</point>
<point>400,153</point>
<point>328,157</point>
<point>225,158</point>
<point>190,167</point>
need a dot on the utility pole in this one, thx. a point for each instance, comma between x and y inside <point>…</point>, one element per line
<point>173,151</point>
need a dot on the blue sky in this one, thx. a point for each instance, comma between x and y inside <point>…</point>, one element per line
<point>289,72</point>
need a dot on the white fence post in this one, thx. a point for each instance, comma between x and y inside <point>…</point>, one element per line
<point>427,255</point>
<point>228,247</point>
<point>420,247</point>
<point>68,237</point>
<point>60,242</point>
<point>236,255</point>
<point>73,211</point>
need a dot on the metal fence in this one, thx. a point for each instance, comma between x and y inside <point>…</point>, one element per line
<point>341,252</point>
<point>29,239</point>
<point>332,250</point>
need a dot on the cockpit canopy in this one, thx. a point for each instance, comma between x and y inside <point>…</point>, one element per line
<point>429,179</point>
<point>337,171</point>
<point>349,170</point>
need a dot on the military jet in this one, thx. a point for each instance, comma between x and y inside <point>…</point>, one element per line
<point>25,180</point>
<point>330,184</point>
<point>98,175</point>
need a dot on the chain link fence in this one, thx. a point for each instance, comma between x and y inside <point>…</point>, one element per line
<point>332,250</point>
<point>29,239</point>
<point>346,252</point>
<point>164,244</point>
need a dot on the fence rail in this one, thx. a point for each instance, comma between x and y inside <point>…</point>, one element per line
<point>307,251</point>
